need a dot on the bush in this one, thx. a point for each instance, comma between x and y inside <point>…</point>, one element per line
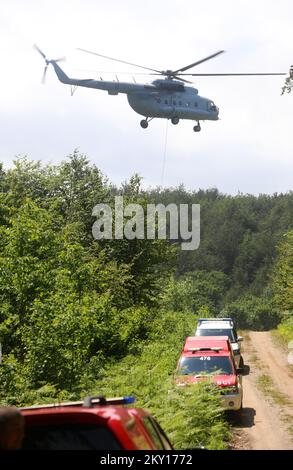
<point>285,330</point>
<point>254,313</point>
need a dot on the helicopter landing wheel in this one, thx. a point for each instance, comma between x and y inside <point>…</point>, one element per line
<point>197,128</point>
<point>144,124</point>
<point>175,120</point>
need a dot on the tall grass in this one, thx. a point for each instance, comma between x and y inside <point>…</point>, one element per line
<point>285,331</point>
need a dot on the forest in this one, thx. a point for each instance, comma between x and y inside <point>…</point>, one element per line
<point>81,316</point>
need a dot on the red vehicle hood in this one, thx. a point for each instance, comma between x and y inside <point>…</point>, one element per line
<point>221,380</point>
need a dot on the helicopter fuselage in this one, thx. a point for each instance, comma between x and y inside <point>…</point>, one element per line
<point>185,104</point>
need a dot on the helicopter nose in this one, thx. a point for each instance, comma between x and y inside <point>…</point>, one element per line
<point>216,112</point>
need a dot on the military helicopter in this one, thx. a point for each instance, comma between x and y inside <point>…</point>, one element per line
<point>168,98</point>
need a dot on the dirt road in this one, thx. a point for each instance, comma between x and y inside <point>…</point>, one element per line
<point>267,415</point>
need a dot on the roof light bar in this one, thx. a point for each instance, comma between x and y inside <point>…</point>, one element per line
<point>88,402</point>
<point>100,400</point>
<point>205,349</point>
<point>129,400</point>
<point>206,320</point>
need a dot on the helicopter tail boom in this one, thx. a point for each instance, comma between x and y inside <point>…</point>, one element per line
<point>60,74</point>
<point>113,88</point>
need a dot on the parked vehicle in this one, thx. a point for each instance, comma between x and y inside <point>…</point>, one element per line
<point>96,423</point>
<point>212,358</point>
<point>222,327</point>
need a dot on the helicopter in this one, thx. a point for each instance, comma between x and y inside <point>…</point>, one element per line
<point>170,97</point>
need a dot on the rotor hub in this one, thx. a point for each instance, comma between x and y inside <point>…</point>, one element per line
<point>169,74</point>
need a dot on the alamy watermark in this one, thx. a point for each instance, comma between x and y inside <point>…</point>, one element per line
<point>132,221</point>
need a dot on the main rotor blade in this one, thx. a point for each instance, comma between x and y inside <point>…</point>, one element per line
<point>227,74</point>
<point>197,63</point>
<point>115,72</point>
<point>118,60</point>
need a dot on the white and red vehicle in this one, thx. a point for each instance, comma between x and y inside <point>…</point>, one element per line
<point>222,327</point>
<point>212,358</point>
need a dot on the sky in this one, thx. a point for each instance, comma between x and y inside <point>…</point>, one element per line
<point>248,150</point>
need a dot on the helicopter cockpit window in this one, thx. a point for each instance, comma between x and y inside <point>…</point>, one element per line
<point>212,106</point>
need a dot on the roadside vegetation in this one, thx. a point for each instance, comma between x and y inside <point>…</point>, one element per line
<point>80,316</point>
<point>283,287</point>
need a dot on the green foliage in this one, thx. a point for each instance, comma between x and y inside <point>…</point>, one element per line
<point>283,275</point>
<point>254,313</point>
<point>285,331</point>
<point>199,292</point>
<point>16,390</point>
<point>64,332</point>
<point>80,316</point>
<point>148,260</point>
<point>239,235</point>
<point>282,283</point>
<point>193,417</point>
<point>66,300</point>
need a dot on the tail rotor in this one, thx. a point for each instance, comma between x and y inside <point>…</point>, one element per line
<point>47,62</point>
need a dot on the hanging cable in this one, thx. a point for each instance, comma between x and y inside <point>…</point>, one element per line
<point>165,153</point>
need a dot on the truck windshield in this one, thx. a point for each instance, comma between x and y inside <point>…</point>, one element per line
<point>205,365</point>
<point>70,437</point>
<point>216,332</point>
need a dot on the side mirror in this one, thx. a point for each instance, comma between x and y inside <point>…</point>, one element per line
<point>240,338</point>
<point>246,370</point>
<point>240,371</point>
